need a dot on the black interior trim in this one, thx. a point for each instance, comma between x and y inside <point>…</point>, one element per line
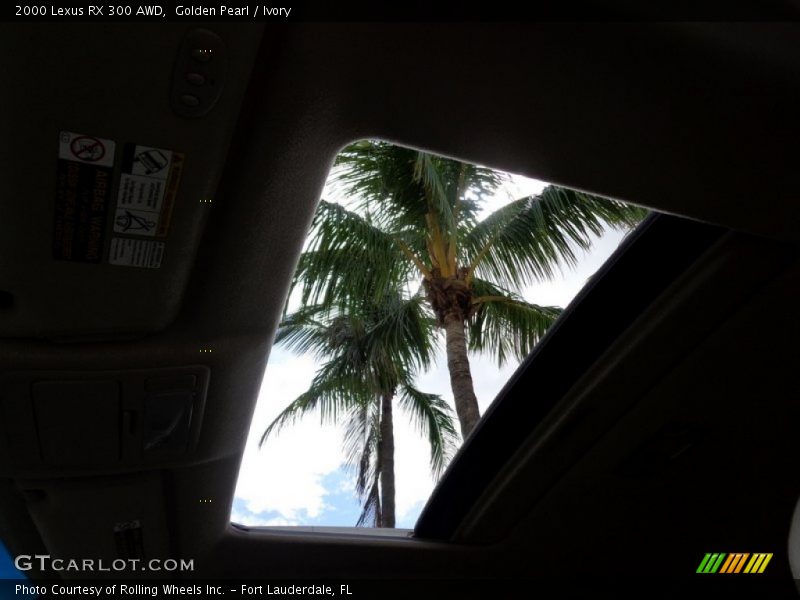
<point>652,257</point>
<point>6,300</point>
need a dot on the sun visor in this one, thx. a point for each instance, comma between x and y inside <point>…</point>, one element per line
<point>111,163</point>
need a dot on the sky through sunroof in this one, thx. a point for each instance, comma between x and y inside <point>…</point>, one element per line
<point>298,477</point>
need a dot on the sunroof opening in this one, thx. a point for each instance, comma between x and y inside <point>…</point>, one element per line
<point>423,284</point>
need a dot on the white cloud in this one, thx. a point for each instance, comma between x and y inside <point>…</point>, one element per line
<point>259,521</point>
<point>286,474</point>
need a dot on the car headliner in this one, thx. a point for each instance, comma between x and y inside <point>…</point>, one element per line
<point>691,119</point>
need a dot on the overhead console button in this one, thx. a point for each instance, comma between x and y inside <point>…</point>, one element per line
<point>199,75</point>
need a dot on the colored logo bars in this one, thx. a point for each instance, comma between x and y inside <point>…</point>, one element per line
<point>720,562</point>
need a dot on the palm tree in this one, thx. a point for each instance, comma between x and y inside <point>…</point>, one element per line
<point>413,218</point>
<point>371,352</point>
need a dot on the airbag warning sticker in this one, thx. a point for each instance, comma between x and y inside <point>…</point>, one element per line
<point>83,188</point>
<point>136,253</point>
<point>147,189</point>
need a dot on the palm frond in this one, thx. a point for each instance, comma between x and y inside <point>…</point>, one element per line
<point>362,433</point>
<point>432,177</point>
<point>400,186</point>
<point>403,329</point>
<point>371,508</point>
<point>532,238</point>
<point>348,257</point>
<point>305,330</point>
<point>504,325</point>
<point>333,391</point>
<point>381,175</point>
<point>433,418</point>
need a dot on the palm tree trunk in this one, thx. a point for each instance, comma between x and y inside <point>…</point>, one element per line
<point>460,374</point>
<point>386,462</point>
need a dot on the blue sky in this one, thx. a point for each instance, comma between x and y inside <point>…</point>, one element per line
<point>341,508</point>
<point>298,478</point>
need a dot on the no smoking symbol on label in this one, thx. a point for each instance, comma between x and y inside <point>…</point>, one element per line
<point>87,148</point>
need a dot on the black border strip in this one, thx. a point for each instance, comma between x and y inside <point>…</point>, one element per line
<point>410,11</point>
<point>647,262</point>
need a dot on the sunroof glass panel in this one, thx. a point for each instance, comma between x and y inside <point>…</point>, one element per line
<point>423,283</point>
